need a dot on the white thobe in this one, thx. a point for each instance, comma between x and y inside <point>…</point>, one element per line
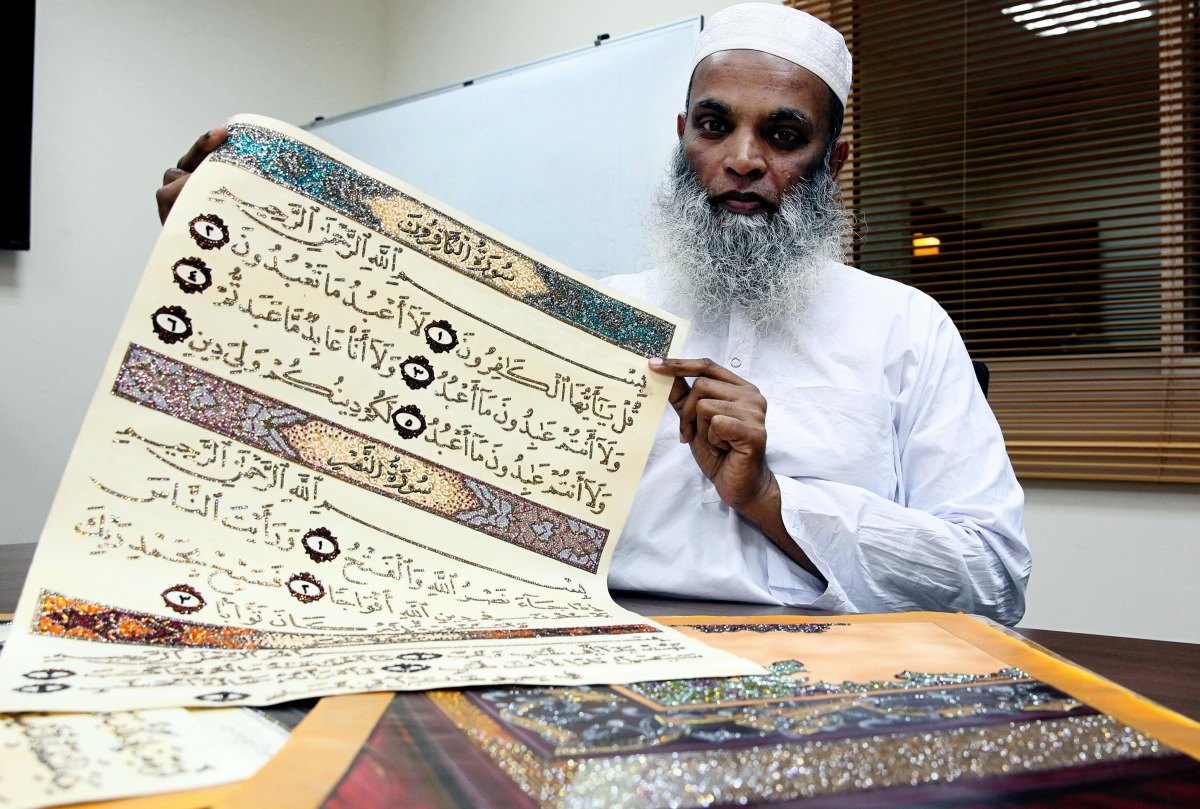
<point>894,477</point>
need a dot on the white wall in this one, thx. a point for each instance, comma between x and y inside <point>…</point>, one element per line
<point>435,44</point>
<point>1114,559</point>
<point>125,85</point>
<point>122,88</point>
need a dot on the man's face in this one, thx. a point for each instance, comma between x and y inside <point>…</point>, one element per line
<point>755,126</point>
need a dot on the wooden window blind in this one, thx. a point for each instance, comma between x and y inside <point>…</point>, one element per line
<point>1033,167</point>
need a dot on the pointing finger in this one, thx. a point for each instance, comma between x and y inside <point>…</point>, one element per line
<point>695,368</point>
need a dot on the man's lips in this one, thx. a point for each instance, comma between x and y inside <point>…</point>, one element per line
<point>741,203</point>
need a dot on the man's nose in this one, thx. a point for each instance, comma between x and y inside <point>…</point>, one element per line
<point>745,154</point>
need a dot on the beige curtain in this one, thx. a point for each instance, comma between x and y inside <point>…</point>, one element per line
<point>1032,166</point>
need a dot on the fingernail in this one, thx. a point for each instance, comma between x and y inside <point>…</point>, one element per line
<point>656,362</point>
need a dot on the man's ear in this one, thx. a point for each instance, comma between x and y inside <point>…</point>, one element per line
<point>838,157</point>
<point>679,122</point>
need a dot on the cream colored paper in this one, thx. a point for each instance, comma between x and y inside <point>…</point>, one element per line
<point>348,440</point>
<point>55,759</point>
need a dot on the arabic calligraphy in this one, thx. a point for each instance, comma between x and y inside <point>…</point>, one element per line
<point>155,381</point>
<point>397,215</point>
<point>345,443</point>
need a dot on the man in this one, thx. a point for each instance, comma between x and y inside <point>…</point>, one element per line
<point>877,479</point>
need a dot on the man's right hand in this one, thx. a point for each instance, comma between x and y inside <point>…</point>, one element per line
<point>175,178</point>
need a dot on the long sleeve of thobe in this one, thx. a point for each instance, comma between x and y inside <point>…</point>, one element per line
<point>949,538</point>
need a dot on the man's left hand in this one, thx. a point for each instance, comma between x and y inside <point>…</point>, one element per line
<point>722,417</point>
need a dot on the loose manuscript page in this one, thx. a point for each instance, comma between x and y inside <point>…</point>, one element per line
<point>55,759</point>
<point>348,440</point>
<point>61,758</point>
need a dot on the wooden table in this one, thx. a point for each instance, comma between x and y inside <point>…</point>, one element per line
<point>1164,671</point>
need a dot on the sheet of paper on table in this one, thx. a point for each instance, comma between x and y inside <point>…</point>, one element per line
<point>56,759</point>
<point>348,440</point>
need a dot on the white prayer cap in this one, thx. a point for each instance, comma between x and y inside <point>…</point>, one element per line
<point>781,31</point>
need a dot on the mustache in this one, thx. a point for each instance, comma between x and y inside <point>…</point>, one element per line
<point>769,262</point>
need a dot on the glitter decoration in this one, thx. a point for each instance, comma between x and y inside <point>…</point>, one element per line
<point>785,668</point>
<point>223,696</point>
<point>66,617</point>
<point>305,588</point>
<point>183,598</point>
<point>229,409</point>
<point>192,275</point>
<point>596,719</point>
<point>320,544</point>
<point>587,721</point>
<point>564,631</point>
<point>41,688</point>
<point>727,690</point>
<point>698,778</point>
<point>401,276</point>
<point>171,324</point>
<point>807,629</point>
<point>209,232</point>
<point>441,552</point>
<point>409,422</point>
<point>425,230</point>
<point>417,373</point>
<point>440,336</point>
<point>48,674</point>
<point>781,684</point>
<point>656,766</point>
<point>913,679</point>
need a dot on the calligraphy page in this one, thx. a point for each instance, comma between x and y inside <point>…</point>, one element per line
<point>348,440</point>
<point>55,759</point>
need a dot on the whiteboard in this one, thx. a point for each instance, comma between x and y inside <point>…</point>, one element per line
<point>562,154</point>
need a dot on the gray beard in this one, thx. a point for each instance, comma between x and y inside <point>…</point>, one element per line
<point>771,264</point>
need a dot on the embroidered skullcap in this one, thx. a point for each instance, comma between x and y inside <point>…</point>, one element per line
<point>781,31</point>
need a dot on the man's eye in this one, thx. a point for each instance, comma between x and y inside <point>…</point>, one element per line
<point>786,137</point>
<point>712,126</point>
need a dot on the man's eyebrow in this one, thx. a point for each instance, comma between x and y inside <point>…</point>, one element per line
<point>711,104</point>
<point>791,115</point>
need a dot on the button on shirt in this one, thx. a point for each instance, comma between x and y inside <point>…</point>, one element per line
<point>892,469</point>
